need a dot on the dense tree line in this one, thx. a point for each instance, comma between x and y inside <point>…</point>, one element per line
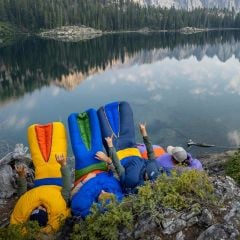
<point>109,15</point>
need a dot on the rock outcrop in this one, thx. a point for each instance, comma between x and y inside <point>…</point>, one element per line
<point>71,33</point>
<point>198,222</point>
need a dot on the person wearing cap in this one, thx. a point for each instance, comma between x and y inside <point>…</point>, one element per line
<point>177,158</point>
<point>40,213</point>
<point>137,170</point>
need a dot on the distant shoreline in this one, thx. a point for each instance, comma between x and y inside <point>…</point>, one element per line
<point>75,33</point>
<point>172,30</point>
<point>79,33</point>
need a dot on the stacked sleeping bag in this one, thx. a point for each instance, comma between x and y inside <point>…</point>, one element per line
<point>45,141</point>
<point>86,141</point>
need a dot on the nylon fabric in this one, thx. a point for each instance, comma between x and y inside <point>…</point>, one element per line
<point>49,169</point>
<point>126,134</point>
<point>128,152</point>
<point>84,127</point>
<point>89,192</point>
<point>112,115</point>
<point>48,196</point>
<point>166,163</point>
<point>158,151</point>
<point>44,138</point>
<point>85,158</point>
<point>48,181</point>
<point>98,166</point>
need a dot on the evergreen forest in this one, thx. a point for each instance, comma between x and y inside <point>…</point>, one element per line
<point>110,15</point>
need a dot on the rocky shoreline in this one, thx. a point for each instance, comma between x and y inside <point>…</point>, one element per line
<point>201,221</point>
<point>79,33</point>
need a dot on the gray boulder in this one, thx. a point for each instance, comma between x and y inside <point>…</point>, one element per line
<point>215,232</point>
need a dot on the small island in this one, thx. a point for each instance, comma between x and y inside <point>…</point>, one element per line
<point>191,30</point>
<point>71,33</point>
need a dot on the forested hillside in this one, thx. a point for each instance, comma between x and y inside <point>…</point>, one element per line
<point>109,15</point>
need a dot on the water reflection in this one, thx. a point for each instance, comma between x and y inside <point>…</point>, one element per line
<point>184,86</point>
<point>33,63</point>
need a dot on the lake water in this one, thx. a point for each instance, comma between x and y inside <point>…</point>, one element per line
<point>183,86</point>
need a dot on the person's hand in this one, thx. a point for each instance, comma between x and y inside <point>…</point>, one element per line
<point>21,170</point>
<point>142,128</point>
<point>61,159</point>
<point>103,157</point>
<point>109,141</point>
<point>89,176</point>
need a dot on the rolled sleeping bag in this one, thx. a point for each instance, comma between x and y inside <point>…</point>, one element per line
<point>158,150</point>
<point>86,140</point>
<point>45,141</point>
<point>117,119</point>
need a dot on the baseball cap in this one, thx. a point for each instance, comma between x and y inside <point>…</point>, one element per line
<point>152,170</point>
<point>40,216</point>
<point>178,153</point>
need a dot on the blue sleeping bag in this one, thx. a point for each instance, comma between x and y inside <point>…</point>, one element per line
<point>86,140</point>
<point>117,118</point>
<point>89,192</point>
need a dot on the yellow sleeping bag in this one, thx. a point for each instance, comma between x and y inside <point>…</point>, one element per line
<point>128,152</point>
<point>45,141</point>
<point>48,196</point>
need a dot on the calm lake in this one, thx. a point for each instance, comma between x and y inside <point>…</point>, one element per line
<point>183,86</point>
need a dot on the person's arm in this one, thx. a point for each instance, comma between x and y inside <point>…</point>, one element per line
<point>113,156</point>
<point>118,166</point>
<point>67,184</point>
<point>21,180</point>
<point>66,177</point>
<point>112,159</point>
<point>147,142</point>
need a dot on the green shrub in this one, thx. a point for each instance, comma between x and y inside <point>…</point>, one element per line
<point>27,231</point>
<point>180,192</point>
<point>105,222</point>
<point>177,192</point>
<point>232,167</point>
<point>105,225</point>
